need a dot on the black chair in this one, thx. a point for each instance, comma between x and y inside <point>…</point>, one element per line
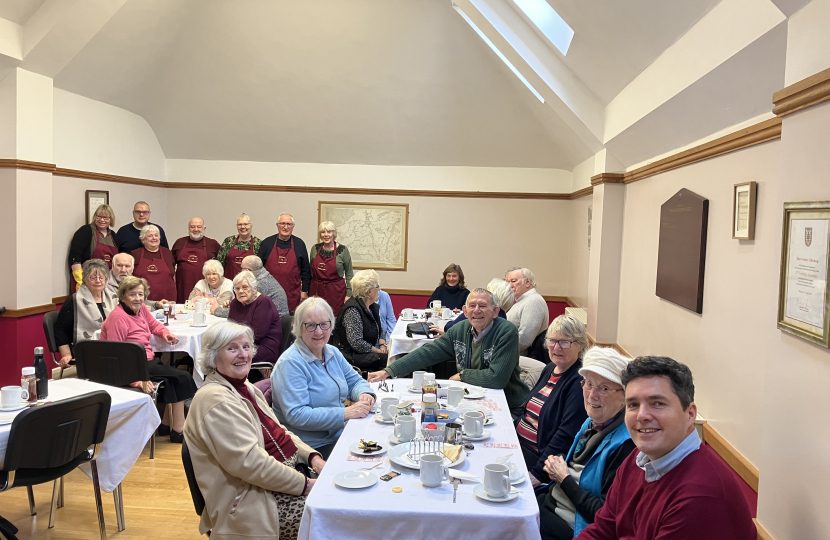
<point>195,492</point>
<point>287,337</point>
<point>49,441</point>
<point>538,350</point>
<point>116,363</point>
<point>49,319</point>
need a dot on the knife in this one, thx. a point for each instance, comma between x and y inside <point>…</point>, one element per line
<point>455,483</point>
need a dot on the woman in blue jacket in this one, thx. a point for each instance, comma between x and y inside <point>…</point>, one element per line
<point>311,381</point>
<point>582,479</point>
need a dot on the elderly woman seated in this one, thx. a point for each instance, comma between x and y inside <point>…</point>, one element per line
<point>243,459</point>
<point>555,408</point>
<point>358,330</point>
<point>313,381</point>
<point>504,298</point>
<point>215,288</point>
<point>82,314</point>
<point>132,321</point>
<point>582,479</point>
<point>257,311</point>
<point>155,263</point>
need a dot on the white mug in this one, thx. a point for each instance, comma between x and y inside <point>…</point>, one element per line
<point>418,379</point>
<point>388,408</point>
<point>474,423</point>
<point>433,470</point>
<point>496,480</point>
<point>436,306</point>
<point>447,313</point>
<point>199,319</point>
<point>11,396</point>
<point>405,428</point>
<point>454,395</point>
<point>201,305</point>
<point>407,314</point>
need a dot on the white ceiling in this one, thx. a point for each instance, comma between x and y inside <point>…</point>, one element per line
<point>19,11</point>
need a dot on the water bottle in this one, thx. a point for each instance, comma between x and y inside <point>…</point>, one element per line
<point>42,374</point>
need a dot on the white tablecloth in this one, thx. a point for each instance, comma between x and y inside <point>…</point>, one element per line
<point>418,512</point>
<point>133,418</point>
<point>400,344</point>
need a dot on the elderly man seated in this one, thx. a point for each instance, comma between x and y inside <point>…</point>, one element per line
<point>122,266</point>
<point>530,312</point>
<point>485,348</point>
<point>674,487</point>
<point>266,284</point>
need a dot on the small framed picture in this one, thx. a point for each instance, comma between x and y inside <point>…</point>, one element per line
<point>743,210</point>
<point>802,293</point>
<point>94,199</point>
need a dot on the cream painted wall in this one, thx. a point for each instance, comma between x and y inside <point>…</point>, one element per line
<point>68,215</point>
<point>93,136</point>
<point>808,41</point>
<point>484,236</point>
<point>725,346</point>
<point>8,241</point>
<point>33,221</point>
<point>371,176</point>
<point>578,253</point>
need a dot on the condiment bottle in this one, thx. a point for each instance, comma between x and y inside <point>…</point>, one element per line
<point>28,382</point>
<point>429,408</point>
<point>42,375</point>
<point>429,386</point>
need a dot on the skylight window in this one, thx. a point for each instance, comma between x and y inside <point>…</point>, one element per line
<point>549,22</point>
<point>499,54</point>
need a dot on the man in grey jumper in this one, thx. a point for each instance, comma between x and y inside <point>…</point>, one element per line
<point>530,312</point>
<point>266,284</point>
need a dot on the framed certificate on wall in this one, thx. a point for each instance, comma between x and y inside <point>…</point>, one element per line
<point>802,299</point>
<point>743,210</point>
<point>94,199</point>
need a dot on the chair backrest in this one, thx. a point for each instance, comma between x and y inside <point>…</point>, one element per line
<point>531,370</point>
<point>538,350</point>
<point>115,363</point>
<point>49,319</point>
<point>195,492</point>
<point>287,337</point>
<point>54,434</point>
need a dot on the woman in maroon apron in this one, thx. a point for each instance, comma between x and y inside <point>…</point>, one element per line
<point>233,263</point>
<point>282,264</point>
<point>331,269</point>
<point>95,240</point>
<point>155,264</point>
<point>231,254</point>
<point>189,263</point>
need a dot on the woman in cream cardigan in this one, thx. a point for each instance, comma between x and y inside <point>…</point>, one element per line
<point>243,459</point>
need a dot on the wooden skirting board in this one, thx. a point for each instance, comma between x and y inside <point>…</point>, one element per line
<point>29,311</point>
<point>762,532</point>
<point>805,93</point>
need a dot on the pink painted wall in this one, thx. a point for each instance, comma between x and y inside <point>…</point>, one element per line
<point>20,337</point>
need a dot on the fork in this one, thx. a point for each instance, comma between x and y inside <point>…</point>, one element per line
<point>372,467</point>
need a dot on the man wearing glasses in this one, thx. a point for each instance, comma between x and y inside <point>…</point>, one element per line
<point>286,258</point>
<point>127,235</point>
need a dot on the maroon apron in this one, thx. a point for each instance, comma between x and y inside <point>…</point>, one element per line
<point>189,264</point>
<point>101,251</point>
<point>233,263</point>
<point>282,264</point>
<point>158,276</point>
<point>326,282</point>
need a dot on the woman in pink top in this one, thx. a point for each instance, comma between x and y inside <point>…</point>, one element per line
<point>132,321</point>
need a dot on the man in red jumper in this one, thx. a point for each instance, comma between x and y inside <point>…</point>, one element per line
<point>674,488</point>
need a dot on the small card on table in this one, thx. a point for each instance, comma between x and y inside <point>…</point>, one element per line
<point>365,459</point>
<point>500,445</point>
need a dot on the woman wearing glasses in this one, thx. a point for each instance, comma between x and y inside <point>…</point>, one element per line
<point>258,311</point>
<point>95,240</point>
<point>555,408</point>
<point>314,381</point>
<point>582,479</point>
<point>358,330</point>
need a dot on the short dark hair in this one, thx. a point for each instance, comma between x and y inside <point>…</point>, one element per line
<point>680,376</point>
<point>453,268</point>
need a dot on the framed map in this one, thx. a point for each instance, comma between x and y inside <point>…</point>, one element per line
<point>375,233</point>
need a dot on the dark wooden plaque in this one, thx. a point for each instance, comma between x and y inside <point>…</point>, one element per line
<point>681,256</point>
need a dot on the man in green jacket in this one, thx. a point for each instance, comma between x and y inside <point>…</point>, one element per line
<point>485,348</point>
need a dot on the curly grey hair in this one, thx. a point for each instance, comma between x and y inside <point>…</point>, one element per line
<point>212,266</point>
<point>145,230</point>
<point>216,337</point>
<point>503,293</point>
<point>245,276</point>
<point>311,305</point>
<point>363,282</point>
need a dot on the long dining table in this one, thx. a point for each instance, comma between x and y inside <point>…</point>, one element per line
<point>377,512</point>
<point>400,344</point>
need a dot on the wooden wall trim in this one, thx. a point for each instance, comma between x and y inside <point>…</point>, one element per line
<point>738,462</point>
<point>615,346</point>
<point>584,192</point>
<point>26,312</point>
<point>805,93</point>
<point>109,178</point>
<point>607,178</point>
<point>762,532</point>
<point>756,134</point>
<point>30,165</point>
<point>59,299</point>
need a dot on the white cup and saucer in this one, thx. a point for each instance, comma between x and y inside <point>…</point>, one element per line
<point>199,319</point>
<point>13,398</point>
<point>408,314</point>
<point>496,486</point>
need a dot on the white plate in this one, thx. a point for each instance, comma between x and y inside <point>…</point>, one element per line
<point>379,419</point>
<point>354,449</point>
<point>23,405</point>
<point>479,491</point>
<point>474,392</point>
<point>485,434</point>
<point>355,479</point>
<point>398,455</point>
<point>394,441</point>
<point>518,480</point>
<point>197,325</point>
<point>467,407</point>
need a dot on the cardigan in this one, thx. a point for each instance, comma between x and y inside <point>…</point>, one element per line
<point>300,251</point>
<point>80,249</point>
<point>499,362</point>
<point>264,319</point>
<point>387,314</point>
<point>309,395</point>
<point>344,264</point>
<point>451,297</point>
<point>699,499</point>
<point>123,326</point>
<point>561,415</point>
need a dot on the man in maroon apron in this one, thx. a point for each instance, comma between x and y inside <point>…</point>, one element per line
<point>326,282</point>
<point>236,248</point>
<point>155,264</point>
<point>286,258</point>
<point>190,253</point>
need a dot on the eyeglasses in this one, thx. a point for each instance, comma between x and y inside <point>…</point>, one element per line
<point>242,288</point>
<point>325,326</point>
<point>563,343</point>
<point>602,390</point>
<point>97,277</point>
<point>282,224</point>
<point>102,217</point>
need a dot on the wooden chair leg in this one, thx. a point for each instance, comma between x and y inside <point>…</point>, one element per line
<point>31,500</point>
<point>96,486</point>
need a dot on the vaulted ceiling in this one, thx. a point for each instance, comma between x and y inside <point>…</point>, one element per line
<point>406,82</point>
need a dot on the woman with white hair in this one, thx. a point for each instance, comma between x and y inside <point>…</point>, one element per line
<point>257,311</point>
<point>237,247</point>
<point>503,293</point>
<point>331,268</point>
<point>154,263</point>
<point>245,462</point>
<point>358,330</point>
<point>582,479</point>
<point>554,409</point>
<point>314,381</point>
<point>215,287</point>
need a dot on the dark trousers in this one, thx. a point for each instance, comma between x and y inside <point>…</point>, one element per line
<point>551,525</point>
